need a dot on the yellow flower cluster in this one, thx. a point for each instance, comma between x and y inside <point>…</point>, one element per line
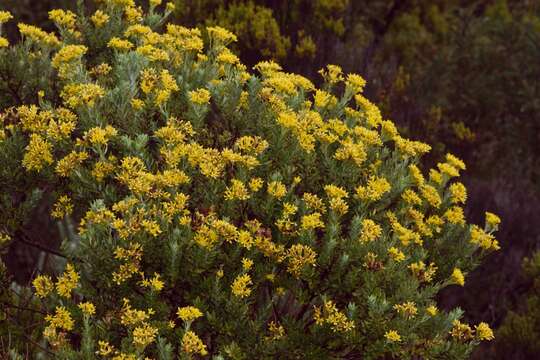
<point>98,136</point>
<point>407,309</point>
<point>392,336</point>
<point>422,272</point>
<point>236,191</point>
<point>68,281</point>
<point>62,207</point>
<point>75,95</point>
<point>299,256</point>
<point>312,221</point>
<point>458,277</point>
<point>189,313</point>
<point>38,35</point>
<point>64,19</point>
<point>161,85</point>
<point>61,319</point>
<point>43,285</point>
<point>337,195</point>
<point>154,283</point>
<point>38,153</point>
<point>88,309</point>
<point>199,96</point>
<point>277,331</point>
<point>131,256</point>
<point>241,286</point>
<point>130,317</point>
<point>370,231</point>
<point>329,314</point>
<point>375,189</point>
<point>70,162</point>
<point>5,16</point>
<point>192,344</point>
<point>99,18</point>
<point>120,44</point>
<point>484,240</point>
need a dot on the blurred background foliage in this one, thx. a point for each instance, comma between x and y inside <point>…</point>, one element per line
<point>462,75</point>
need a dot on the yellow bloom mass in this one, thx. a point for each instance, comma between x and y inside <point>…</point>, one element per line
<point>240,286</point>
<point>188,313</point>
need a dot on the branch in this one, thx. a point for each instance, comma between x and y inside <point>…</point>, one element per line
<point>25,239</point>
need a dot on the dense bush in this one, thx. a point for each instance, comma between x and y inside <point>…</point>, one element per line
<point>209,210</point>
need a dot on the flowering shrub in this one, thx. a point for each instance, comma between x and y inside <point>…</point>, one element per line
<point>227,213</point>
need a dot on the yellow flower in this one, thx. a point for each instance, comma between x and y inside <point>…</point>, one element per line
<point>247,264</point>
<point>370,231</point>
<point>87,308</point>
<point>458,193</point>
<point>329,314</point>
<point>422,272</point>
<point>312,221</point>
<point>98,136</point>
<point>188,313</point>
<point>299,256</point>
<point>38,153</point>
<point>277,189</point>
<point>144,335</point>
<point>332,74</point>
<point>255,184</point>
<point>99,18</point>
<point>155,283</point>
<point>375,189</point>
<point>192,344</point>
<point>3,42</point>
<point>62,207</point>
<point>75,95</point>
<point>483,239</point>
<point>38,35</point>
<point>276,331</point>
<point>63,18</point>
<point>61,319</point>
<point>356,83</point>
<point>411,197</point>
<point>392,336</point>
<point>455,215</point>
<point>396,254</point>
<point>200,96</point>
<point>43,285</point>
<point>458,277</point>
<point>4,238</point>
<point>236,191</point>
<point>432,310</point>
<point>151,227</point>
<point>67,282</point>
<point>455,162</point>
<point>492,220</point>
<point>119,44</point>
<point>407,309</point>
<point>484,332</point>
<point>130,316</point>
<point>221,35</point>
<point>104,348</point>
<point>333,191</point>
<point>67,59</point>
<point>169,7</point>
<point>431,195</point>
<point>240,285</point>
<point>5,16</point>
<point>461,331</point>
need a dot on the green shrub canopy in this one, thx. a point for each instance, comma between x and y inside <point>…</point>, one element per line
<point>227,213</point>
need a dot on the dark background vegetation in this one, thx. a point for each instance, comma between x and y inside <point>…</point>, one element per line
<point>463,76</point>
